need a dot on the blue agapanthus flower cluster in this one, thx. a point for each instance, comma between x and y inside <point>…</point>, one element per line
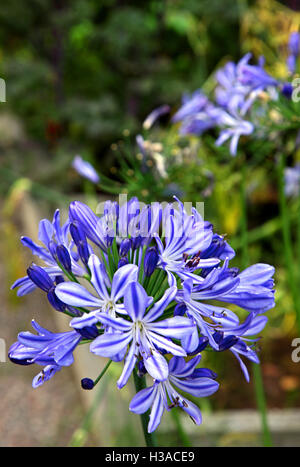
<point>147,286</point>
<point>238,86</point>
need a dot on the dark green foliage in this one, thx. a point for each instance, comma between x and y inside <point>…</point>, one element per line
<point>85,70</point>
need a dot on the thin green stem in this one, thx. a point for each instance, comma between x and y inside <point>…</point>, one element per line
<point>141,271</point>
<point>115,251</point>
<point>256,369</point>
<point>102,372</point>
<point>154,278</point>
<point>180,430</point>
<point>107,267</point>
<point>158,294</point>
<point>261,404</point>
<point>298,234</point>
<point>69,275</point>
<point>80,435</point>
<point>150,438</point>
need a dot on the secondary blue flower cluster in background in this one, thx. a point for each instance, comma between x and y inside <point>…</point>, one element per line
<point>148,286</point>
<point>238,86</point>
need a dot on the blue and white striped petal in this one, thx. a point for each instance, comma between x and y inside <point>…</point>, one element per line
<point>87,319</point>
<point>157,310</point>
<point>89,222</point>
<point>143,400</point>
<point>46,232</point>
<point>193,411</point>
<point>190,341</point>
<point>76,295</point>
<point>157,366</point>
<point>179,367</point>
<point>98,278</point>
<point>198,387</point>
<point>156,412</point>
<point>37,250</point>
<point>122,277</point>
<point>136,300</point>
<point>130,362</point>
<point>110,344</point>
<point>119,324</point>
<point>166,344</point>
<point>176,327</point>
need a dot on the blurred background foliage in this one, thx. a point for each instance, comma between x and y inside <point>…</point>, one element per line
<point>79,73</point>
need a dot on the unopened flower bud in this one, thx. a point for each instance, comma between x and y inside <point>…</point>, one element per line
<point>150,261</point>
<point>87,383</point>
<point>40,277</point>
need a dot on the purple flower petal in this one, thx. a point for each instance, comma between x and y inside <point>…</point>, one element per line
<point>166,344</point>
<point>156,412</point>
<point>193,411</point>
<point>130,362</point>
<point>98,278</point>
<point>198,387</point>
<point>110,344</point>
<point>179,367</point>
<point>143,400</point>
<point>119,324</point>
<point>121,279</point>
<point>176,327</point>
<point>157,366</point>
<point>88,319</point>
<point>76,295</point>
<point>136,300</point>
<point>46,232</point>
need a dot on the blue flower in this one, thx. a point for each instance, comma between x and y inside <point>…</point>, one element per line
<point>191,105</point>
<point>163,395</point>
<point>243,346</point>
<point>156,289</point>
<point>230,93</point>
<point>53,350</point>
<point>51,235</point>
<point>109,294</point>
<point>238,86</point>
<point>251,289</point>
<point>198,123</point>
<point>194,114</point>
<point>218,248</point>
<point>185,235</point>
<point>234,126</point>
<point>292,180</point>
<point>294,50</point>
<point>85,169</point>
<point>143,332</point>
<point>255,76</point>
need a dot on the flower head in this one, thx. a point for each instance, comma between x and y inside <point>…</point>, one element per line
<point>144,334</point>
<point>163,395</point>
<point>144,285</point>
